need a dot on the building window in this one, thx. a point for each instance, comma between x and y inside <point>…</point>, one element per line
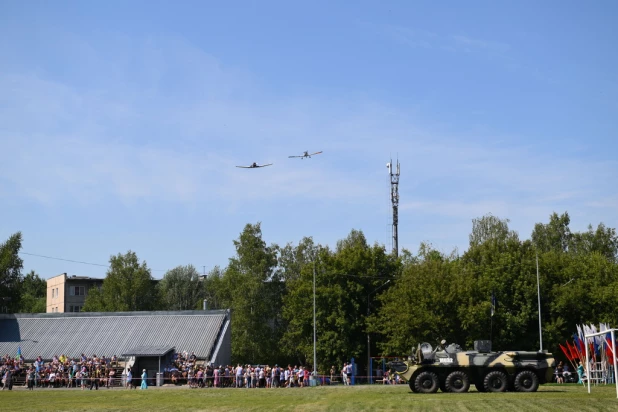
<point>53,293</point>
<point>77,291</point>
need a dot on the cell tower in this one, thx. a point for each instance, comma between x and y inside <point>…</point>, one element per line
<point>395,202</point>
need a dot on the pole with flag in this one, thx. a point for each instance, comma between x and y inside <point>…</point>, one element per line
<point>493,311</point>
<point>18,357</point>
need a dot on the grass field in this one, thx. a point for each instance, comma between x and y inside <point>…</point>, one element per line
<point>377,397</point>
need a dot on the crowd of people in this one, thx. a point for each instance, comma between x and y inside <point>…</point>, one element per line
<point>61,371</point>
<point>99,371</point>
<point>241,376</point>
<point>184,368</point>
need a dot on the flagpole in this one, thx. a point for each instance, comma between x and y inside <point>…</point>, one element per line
<point>538,289</point>
<point>491,327</point>
<point>613,334</point>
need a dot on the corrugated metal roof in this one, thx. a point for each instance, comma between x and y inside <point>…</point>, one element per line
<point>108,334</point>
<point>148,351</point>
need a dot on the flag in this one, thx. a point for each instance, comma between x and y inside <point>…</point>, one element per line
<point>608,349</point>
<point>18,353</point>
<point>573,350</point>
<point>582,347</point>
<point>493,303</point>
<point>566,353</point>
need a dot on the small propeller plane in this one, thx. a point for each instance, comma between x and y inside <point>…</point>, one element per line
<point>306,154</point>
<point>254,165</point>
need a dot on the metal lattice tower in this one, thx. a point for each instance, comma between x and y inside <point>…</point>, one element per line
<point>394,174</point>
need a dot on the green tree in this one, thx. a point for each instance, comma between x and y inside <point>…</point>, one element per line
<point>297,268</point>
<point>421,306</point>
<point>128,286</point>
<point>213,289</point>
<point>11,266</point>
<point>555,235</point>
<point>448,297</point>
<point>602,240</point>
<point>180,288</point>
<point>251,287</point>
<point>490,229</point>
<point>346,280</point>
<point>33,294</point>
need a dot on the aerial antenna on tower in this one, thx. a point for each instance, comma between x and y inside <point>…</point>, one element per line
<point>393,171</point>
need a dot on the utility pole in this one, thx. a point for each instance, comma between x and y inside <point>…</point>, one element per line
<point>369,366</point>
<point>538,290</point>
<point>315,356</point>
<point>394,174</point>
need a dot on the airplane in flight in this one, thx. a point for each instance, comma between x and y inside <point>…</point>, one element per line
<point>306,154</point>
<point>254,165</point>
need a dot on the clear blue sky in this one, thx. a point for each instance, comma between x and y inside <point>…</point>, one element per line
<point>121,123</point>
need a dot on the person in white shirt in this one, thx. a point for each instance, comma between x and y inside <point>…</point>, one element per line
<point>239,376</point>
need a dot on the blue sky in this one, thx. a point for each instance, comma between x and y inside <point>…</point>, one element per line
<point>121,123</point>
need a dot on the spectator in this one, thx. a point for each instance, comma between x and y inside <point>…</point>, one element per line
<point>7,380</point>
<point>144,378</point>
<point>30,378</point>
<point>559,373</point>
<point>110,378</point>
<point>129,379</point>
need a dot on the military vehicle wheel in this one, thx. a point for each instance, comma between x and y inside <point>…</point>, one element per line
<point>526,381</point>
<point>412,387</point>
<point>496,381</point>
<point>457,382</point>
<point>426,382</point>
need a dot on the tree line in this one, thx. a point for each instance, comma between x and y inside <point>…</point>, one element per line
<point>369,302</point>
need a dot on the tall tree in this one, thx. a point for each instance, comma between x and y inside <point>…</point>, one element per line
<point>421,306</point>
<point>347,281</point>
<point>490,229</point>
<point>251,287</point>
<point>33,294</point>
<point>213,289</point>
<point>128,286</point>
<point>602,240</point>
<point>297,268</point>
<point>180,288</point>
<point>11,266</point>
<point>555,235</point>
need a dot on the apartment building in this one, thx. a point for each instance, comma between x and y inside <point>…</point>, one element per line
<point>68,293</point>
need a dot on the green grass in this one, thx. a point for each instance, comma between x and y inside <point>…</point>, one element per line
<point>377,397</point>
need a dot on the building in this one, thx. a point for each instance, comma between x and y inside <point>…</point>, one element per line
<point>68,293</point>
<point>146,339</point>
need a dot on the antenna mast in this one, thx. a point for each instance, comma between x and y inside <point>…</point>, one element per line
<point>394,174</point>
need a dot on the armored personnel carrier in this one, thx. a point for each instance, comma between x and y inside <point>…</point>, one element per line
<point>451,369</point>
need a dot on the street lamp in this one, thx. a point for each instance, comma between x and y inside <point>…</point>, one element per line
<point>369,368</point>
